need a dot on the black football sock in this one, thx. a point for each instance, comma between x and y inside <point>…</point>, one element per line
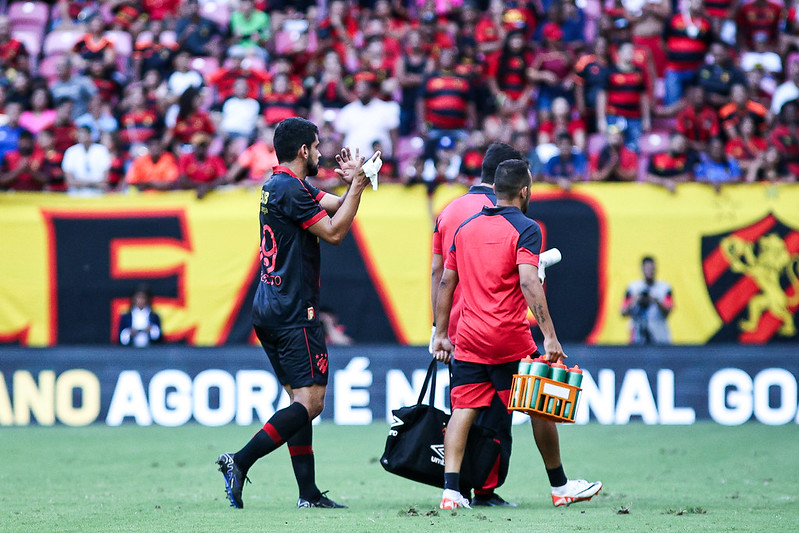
<point>557,477</point>
<point>452,481</point>
<point>302,460</point>
<point>483,493</point>
<point>283,425</point>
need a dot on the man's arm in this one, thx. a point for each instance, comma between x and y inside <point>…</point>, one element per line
<point>436,272</point>
<point>442,347</point>
<point>537,301</point>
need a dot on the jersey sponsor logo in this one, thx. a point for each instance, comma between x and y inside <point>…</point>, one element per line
<point>752,276</point>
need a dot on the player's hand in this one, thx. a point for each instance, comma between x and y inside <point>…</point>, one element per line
<point>348,165</point>
<point>554,351</point>
<point>442,348</point>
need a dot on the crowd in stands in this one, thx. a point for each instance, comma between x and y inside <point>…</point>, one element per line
<point>166,94</point>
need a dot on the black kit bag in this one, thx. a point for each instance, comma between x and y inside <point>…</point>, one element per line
<point>415,443</point>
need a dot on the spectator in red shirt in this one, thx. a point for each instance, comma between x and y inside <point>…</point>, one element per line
<point>198,169</point>
<point>22,168</point>
<point>280,102</point>
<point>785,136</point>
<point>161,9</point>
<point>51,163</point>
<point>447,103</point>
<point>191,119</point>
<point>647,30</point>
<point>106,79</point>
<point>615,162</point>
<point>625,102</point>
<point>697,121</point>
<point>224,78</point>
<point>688,35</point>
<point>65,133</point>
<point>747,147</point>
<point>507,79</point>
<point>741,106</point>
<point>758,21</point>
<point>12,51</point>
<point>552,68</point>
<point>94,45</point>
<point>489,31</point>
<point>676,165</point>
<point>562,121</point>
<point>141,121</point>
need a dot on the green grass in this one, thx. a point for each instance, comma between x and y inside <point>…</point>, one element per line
<point>704,477</point>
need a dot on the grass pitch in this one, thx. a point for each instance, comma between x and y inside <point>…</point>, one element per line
<point>704,477</point>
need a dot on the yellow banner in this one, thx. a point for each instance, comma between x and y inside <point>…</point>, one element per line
<point>207,250</point>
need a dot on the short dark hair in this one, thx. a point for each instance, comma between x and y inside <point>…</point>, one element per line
<point>290,135</point>
<point>25,134</point>
<point>511,177</point>
<point>496,154</point>
<point>647,259</point>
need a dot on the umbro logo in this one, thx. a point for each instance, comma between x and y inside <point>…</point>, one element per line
<point>396,422</point>
<point>438,449</point>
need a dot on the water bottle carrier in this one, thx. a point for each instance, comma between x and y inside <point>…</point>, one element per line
<point>550,399</point>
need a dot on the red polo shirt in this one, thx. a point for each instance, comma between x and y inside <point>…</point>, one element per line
<point>487,251</point>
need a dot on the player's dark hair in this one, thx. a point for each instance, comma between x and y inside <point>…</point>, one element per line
<point>510,178</point>
<point>647,259</point>
<point>496,154</point>
<point>290,135</point>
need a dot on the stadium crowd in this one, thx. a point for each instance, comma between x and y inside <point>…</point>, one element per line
<point>164,94</point>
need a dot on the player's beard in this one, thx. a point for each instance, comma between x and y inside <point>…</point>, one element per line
<point>526,202</point>
<point>311,168</point>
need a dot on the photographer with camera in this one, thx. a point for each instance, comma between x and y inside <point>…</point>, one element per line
<point>648,303</point>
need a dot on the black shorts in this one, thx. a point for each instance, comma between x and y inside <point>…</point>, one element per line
<point>298,355</point>
<point>474,385</point>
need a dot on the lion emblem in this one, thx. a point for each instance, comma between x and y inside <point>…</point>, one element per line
<point>765,268</point>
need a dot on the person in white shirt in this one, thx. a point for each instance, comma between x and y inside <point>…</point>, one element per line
<point>86,165</point>
<point>786,91</point>
<point>183,77</point>
<point>368,119</point>
<point>240,113</point>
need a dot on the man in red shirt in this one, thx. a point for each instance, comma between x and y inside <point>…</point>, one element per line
<point>447,223</point>
<point>22,168</point>
<point>759,21</point>
<point>698,121</point>
<point>494,260</point>
<point>199,170</point>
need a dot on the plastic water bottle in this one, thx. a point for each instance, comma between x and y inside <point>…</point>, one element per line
<point>524,370</point>
<point>575,378</point>
<point>558,374</point>
<point>539,367</point>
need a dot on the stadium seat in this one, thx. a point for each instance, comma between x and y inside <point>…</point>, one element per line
<point>29,15</point>
<point>123,45</point>
<point>216,12</point>
<point>61,42</point>
<point>32,39</point>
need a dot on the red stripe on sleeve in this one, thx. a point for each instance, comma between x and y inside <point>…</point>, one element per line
<point>314,219</point>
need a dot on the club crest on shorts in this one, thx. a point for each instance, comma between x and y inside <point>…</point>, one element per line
<point>311,313</point>
<point>752,277</point>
